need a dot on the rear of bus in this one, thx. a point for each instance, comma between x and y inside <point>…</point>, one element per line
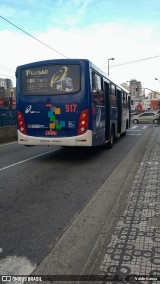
<point>53,99</point>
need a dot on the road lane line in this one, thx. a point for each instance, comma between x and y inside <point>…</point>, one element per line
<point>6,144</point>
<point>26,160</point>
<point>134,130</point>
<point>133,127</point>
<point>134,134</point>
<point>145,127</point>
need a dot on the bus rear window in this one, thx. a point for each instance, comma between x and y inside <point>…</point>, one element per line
<point>50,80</point>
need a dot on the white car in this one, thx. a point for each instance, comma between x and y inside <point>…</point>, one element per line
<point>148,117</point>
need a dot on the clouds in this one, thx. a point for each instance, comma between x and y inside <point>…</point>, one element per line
<point>7,10</point>
<point>96,42</point>
<point>70,13</point>
<point>63,26</point>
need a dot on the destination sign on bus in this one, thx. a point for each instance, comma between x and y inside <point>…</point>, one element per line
<point>52,79</point>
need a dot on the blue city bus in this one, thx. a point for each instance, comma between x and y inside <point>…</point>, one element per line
<point>69,102</point>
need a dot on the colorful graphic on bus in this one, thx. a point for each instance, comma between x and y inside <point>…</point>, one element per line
<point>54,122</point>
<point>61,82</point>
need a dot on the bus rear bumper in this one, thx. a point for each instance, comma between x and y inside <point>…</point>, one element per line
<point>81,140</point>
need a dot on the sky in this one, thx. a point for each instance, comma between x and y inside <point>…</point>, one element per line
<point>126,30</point>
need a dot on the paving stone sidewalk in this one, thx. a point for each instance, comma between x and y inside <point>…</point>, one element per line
<point>134,248</point>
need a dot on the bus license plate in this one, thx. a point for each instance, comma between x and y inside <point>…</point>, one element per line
<point>51,132</point>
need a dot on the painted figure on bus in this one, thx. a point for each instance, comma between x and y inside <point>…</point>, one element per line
<point>61,82</point>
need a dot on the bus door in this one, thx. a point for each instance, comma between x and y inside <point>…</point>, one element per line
<point>107,110</point>
<point>129,107</point>
<point>119,107</point>
<point>98,119</point>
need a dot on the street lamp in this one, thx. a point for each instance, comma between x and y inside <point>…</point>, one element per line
<point>108,64</point>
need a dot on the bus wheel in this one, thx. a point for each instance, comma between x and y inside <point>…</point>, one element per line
<point>111,139</point>
<point>28,145</point>
<point>127,125</point>
<point>123,134</point>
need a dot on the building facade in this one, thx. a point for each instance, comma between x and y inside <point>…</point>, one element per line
<point>135,88</point>
<point>6,83</point>
<point>139,101</point>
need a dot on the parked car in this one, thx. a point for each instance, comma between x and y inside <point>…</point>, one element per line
<point>133,113</point>
<point>150,116</point>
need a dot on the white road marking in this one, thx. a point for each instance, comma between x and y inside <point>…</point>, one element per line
<point>133,134</point>
<point>6,144</point>
<point>26,160</point>
<point>133,127</point>
<point>144,127</point>
<point>14,265</point>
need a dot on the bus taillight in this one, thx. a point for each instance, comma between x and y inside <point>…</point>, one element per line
<point>21,123</point>
<point>83,122</point>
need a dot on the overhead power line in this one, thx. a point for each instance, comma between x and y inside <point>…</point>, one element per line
<point>134,61</point>
<point>6,68</point>
<point>6,76</point>
<point>112,66</point>
<point>33,37</point>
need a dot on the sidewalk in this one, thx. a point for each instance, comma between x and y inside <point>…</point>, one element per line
<point>134,247</point>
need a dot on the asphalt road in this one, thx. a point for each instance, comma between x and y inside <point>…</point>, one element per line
<point>42,191</point>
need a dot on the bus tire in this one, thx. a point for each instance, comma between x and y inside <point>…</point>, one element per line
<point>28,145</point>
<point>127,124</point>
<point>123,134</point>
<point>111,139</point>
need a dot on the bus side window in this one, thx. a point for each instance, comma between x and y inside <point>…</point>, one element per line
<point>124,100</point>
<point>97,90</point>
<point>127,103</point>
<point>112,96</point>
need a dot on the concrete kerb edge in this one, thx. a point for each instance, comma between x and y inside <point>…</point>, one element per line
<point>8,133</point>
